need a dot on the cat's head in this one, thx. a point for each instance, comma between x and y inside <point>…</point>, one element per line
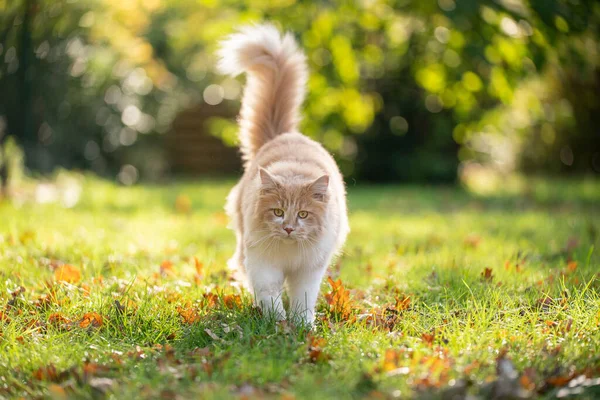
<point>292,209</point>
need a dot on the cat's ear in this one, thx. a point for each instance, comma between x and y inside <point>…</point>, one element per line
<point>266,179</point>
<point>319,188</point>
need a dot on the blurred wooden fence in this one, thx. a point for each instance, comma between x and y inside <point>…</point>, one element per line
<point>192,149</point>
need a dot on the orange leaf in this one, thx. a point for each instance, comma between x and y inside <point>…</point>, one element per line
<point>67,273</point>
<point>487,274</point>
<point>199,267</point>
<point>402,303</point>
<point>315,349</point>
<point>232,301</point>
<point>428,338</point>
<point>91,318</point>
<point>339,300</point>
<point>559,380</point>
<point>188,314</point>
<point>526,382</point>
<point>166,268</point>
<point>85,289</point>
<point>472,367</point>
<point>572,266</point>
<point>48,373</point>
<point>210,299</point>
<point>4,317</point>
<point>57,319</point>
<point>390,360</point>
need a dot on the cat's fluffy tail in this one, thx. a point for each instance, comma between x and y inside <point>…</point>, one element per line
<point>275,86</point>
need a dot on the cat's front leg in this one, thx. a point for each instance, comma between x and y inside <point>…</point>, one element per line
<point>303,288</point>
<point>266,283</point>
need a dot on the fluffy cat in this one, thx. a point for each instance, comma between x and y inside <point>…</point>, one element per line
<point>289,208</point>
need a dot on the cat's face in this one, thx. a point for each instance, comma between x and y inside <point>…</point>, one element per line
<point>292,211</point>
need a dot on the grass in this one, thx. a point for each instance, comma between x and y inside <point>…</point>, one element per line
<point>510,277</point>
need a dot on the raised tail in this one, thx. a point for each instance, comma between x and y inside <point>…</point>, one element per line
<point>275,85</point>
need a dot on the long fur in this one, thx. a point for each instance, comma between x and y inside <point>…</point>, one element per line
<point>275,86</point>
<point>286,175</point>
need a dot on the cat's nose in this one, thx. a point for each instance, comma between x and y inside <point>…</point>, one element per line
<point>288,229</point>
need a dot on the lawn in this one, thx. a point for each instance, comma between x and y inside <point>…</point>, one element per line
<point>439,293</point>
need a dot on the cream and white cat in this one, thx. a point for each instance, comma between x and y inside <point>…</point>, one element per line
<point>289,208</point>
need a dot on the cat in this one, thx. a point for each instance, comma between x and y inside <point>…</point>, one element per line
<point>289,208</point>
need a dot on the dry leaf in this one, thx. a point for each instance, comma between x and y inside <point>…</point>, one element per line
<point>188,314</point>
<point>487,274</point>
<point>91,319</point>
<point>338,300</point>
<point>48,373</point>
<point>402,303</point>
<point>199,267</point>
<point>58,320</point>
<point>166,268</point>
<point>232,301</point>
<point>315,349</point>
<point>210,299</point>
<point>67,273</point>
<point>212,334</point>
<point>391,359</point>
<point>4,317</point>
<point>428,338</point>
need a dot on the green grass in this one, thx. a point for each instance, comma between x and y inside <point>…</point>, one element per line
<point>430,244</point>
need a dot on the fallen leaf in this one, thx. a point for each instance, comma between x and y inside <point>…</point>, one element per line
<point>210,299</point>
<point>57,320</point>
<point>315,349</point>
<point>390,360</point>
<point>232,301</point>
<point>47,373</point>
<point>526,380</point>
<point>199,267</point>
<point>166,268</point>
<point>338,299</point>
<point>17,292</point>
<point>188,315</point>
<point>4,317</point>
<point>487,274</point>
<point>91,319</point>
<point>67,273</point>
<point>212,334</point>
<point>558,381</point>
<point>572,266</point>
<point>85,288</point>
<point>402,303</point>
<point>428,338</point>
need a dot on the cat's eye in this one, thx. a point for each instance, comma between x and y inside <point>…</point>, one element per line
<point>278,212</point>
<point>302,214</point>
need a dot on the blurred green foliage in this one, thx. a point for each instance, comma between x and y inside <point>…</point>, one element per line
<point>411,90</point>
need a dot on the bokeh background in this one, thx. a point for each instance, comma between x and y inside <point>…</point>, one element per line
<point>400,90</point>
